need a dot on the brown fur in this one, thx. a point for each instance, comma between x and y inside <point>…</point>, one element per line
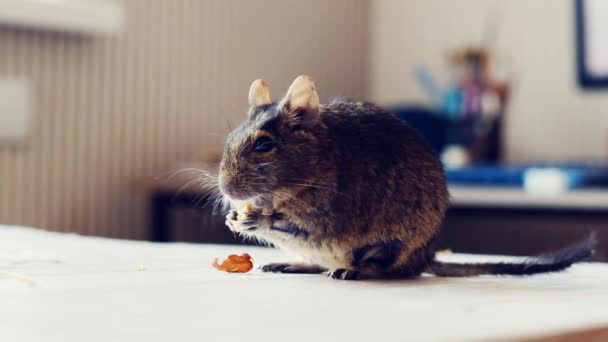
<point>349,188</point>
<point>350,175</point>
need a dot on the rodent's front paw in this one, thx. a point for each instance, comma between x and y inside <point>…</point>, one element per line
<point>248,219</point>
<point>231,219</point>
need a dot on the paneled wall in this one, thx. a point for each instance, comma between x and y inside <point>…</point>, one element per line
<point>110,112</point>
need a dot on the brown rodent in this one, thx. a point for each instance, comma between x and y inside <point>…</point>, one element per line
<point>352,189</point>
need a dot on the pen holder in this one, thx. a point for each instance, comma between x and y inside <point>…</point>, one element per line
<point>480,137</point>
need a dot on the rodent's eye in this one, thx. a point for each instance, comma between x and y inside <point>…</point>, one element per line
<point>263,144</point>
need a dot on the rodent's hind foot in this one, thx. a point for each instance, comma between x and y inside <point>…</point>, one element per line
<point>344,274</point>
<point>293,268</point>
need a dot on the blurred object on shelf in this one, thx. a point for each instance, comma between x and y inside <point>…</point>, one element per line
<point>479,85</point>
<point>537,178</point>
<point>455,156</point>
<point>473,104</point>
<point>550,181</point>
<point>480,139</point>
<point>430,124</point>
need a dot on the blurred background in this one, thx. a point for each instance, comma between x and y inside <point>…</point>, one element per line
<point>102,101</point>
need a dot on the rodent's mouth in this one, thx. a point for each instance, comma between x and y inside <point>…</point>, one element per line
<point>262,201</point>
<point>235,194</point>
<point>259,201</point>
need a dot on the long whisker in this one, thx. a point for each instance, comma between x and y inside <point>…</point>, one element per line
<point>207,182</point>
<point>262,165</point>
<point>320,185</point>
<point>309,181</point>
<point>183,188</point>
<point>193,170</point>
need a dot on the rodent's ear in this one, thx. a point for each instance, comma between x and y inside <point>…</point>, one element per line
<point>301,104</point>
<point>259,93</point>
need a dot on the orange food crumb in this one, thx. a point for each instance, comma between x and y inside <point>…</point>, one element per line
<point>235,263</point>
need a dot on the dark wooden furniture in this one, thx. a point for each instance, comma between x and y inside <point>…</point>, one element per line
<point>486,220</point>
<point>497,220</point>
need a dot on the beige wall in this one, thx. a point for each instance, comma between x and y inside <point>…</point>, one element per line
<point>110,111</point>
<point>550,117</point>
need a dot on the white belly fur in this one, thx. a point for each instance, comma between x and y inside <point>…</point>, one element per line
<point>319,255</point>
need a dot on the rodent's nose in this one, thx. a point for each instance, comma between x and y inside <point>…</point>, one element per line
<point>228,188</point>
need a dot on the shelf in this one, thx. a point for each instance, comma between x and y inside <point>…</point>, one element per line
<point>503,197</point>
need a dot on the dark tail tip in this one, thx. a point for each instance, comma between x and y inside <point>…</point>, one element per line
<point>573,253</point>
<point>549,262</point>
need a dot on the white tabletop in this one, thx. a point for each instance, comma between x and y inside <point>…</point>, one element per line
<point>57,287</point>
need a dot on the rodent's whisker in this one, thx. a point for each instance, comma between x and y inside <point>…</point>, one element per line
<point>262,165</point>
<point>191,169</point>
<point>198,199</point>
<point>213,195</point>
<point>313,186</point>
<point>206,181</point>
<point>215,198</point>
<point>184,187</point>
<point>256,184</point>
<point>219,201</point>
<point>310,181</point>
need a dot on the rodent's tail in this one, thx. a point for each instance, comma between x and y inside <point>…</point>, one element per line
<point>550,262</point>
